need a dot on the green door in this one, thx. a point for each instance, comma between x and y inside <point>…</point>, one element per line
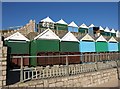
<point>61,27</point>
<point>101,46</point>
<point>17,47</point>
<point>67,46</point>
<point>43,46</point>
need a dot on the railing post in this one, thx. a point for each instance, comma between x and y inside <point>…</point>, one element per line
<point>96,56</point>
<point>21,70</point>
<point>67,67</point>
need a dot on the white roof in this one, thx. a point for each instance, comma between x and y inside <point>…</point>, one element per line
<point>112,39</point>
<point>101,38</point>
<point>83,26</point>
<point>17,36</point>
<point>107,29</point>
<point>112,31</point>
<point>69,37</point>
<point>61,22</point>
<point>72,24</point>
<point>87,37</point>
<point>47,34</point>
<point>47,19</point>
<point>92,25</point>
<point>101,28</point>
<point>117,31</point>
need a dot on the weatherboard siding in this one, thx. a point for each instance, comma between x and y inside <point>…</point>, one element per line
<point>61,27</point>
<point>17,47</point>
<point>85,46</point>
<point>83,30</point>
<point>101,46</point>
<point>119,46</point>
<point>112,47</point>
<point>72,29</point>
<point>69,46</point>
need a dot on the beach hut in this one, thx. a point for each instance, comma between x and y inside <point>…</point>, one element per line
<point>107,32</point>
<point>18,45</point>
<point>83,28</point>
<point>91,29</point>
<point>101,31</point>
<point>72,27</point>
<point>112,45</point>
<point>117,33</point>
<point>113,33</point>
<point>86,44</point>
<point>61,25</point>
<point>69,43</point>
<point>101,44</point>
<point>47,41</point>
<point>46,23</point>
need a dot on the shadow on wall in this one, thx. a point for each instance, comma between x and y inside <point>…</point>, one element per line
<point>12,76</point>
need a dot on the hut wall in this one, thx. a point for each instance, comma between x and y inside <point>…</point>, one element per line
<point>61,27</point>
<point>90,31</point>
<point>47,45</point>
<point>18,47</point>
<point>83,30</point>
<point>119,46</point>
<point>72,29</point>
<point>101,46</point>
<point>85,46</point>
<point>112,47</point>
<point>69,46</point>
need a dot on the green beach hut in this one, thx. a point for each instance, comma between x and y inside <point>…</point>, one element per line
<point>101,44</point>
<point>17,44</point>
<point>69,43</point>
<point>83,28</point>
<point>61,25</point>
<point>47,41</point>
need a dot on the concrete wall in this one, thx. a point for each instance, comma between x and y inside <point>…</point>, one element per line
<point>81,80</point>
<point>3,63</point>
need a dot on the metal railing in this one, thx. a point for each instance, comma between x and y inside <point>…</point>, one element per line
<point>41,72</point>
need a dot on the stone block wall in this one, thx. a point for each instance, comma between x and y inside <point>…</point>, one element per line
<point>3,64</point>
<point>29,27</point>
<point>81,80</point>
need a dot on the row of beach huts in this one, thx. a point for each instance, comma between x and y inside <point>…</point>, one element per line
<point>73,27</point>
<point>48,43</point>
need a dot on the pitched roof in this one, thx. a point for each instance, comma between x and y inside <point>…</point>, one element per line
<point>69,37</point>
<point>91,25</point>
<point>61,22</point>
<point>112,31</point>
<point>72,24</point>
<point>47,19</point>
<point>112,39</point>
<point>83,26</point>
<point>17,36</point>
<point>117,31</point>
<point>101,38</point>
<point>101,28</point>
<point>107,29</point>
<point>86,37</point>
<point>47,34</point>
